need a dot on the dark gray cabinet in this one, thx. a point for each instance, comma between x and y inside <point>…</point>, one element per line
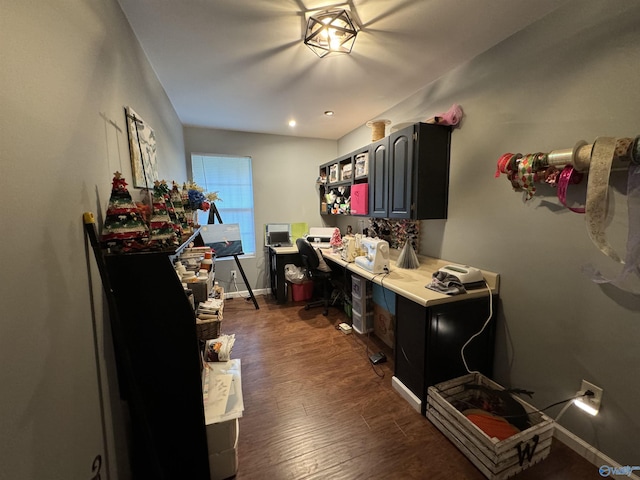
<point>378,179</point>
<point>158,363</point>
<point>429,341</point>
<point>410,173</point>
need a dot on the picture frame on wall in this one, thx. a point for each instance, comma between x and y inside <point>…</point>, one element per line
<point>142,149</point>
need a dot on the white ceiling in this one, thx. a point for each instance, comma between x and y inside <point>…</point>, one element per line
<point>241,64</point>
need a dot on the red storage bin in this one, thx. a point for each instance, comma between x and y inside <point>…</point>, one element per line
<point>302,291</point>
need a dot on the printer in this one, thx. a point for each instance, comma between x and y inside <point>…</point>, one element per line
<point>376,255</point>
<point>320,237</point>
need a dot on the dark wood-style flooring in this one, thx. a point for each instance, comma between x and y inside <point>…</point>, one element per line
<point>315,407</point>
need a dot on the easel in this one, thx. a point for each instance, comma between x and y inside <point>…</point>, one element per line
<point>213,215</point>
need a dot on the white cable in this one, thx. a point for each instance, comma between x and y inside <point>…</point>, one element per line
<point>564,409</point>
<point>478,333</point>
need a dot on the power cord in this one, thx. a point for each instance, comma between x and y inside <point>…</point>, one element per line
<point>586,393</point>
<point>568,401</point>
<point>365,346</point>
<point>479,332</point>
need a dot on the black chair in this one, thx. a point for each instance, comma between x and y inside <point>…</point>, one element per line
<point>311,262</point>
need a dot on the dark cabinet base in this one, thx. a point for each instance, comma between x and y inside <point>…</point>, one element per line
<point>158,363</point>
<point>429,342</point>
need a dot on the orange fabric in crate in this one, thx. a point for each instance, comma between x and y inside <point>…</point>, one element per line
<point>492,425</point>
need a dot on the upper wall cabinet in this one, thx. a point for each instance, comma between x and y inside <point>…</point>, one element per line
<point>409,173</point>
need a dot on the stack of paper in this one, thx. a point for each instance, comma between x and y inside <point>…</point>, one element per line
<point>222,391</point>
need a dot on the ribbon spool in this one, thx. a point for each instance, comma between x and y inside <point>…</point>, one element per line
<point>378,128</point>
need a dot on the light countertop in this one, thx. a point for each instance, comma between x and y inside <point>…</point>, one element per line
<point>409,283</point>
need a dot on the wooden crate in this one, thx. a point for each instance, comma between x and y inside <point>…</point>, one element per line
<point>495,459</point>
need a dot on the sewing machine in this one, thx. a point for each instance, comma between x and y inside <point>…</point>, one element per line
<point>376,257</point>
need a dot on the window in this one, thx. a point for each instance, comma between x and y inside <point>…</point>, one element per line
<point>231,177</point>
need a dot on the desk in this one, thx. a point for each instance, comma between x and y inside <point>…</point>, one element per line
<point>432,327</point>
<point>278,258</point>
<point>410,284</point>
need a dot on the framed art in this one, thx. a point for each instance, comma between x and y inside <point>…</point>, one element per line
<point>142,149</point>
<point>223,238</point>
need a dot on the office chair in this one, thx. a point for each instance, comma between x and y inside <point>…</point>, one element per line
<point>311,263</point>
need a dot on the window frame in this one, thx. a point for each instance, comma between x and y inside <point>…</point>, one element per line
<point>210,187</point>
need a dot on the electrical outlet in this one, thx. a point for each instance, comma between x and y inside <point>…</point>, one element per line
<point>591,401</point>
<point>233,274</point>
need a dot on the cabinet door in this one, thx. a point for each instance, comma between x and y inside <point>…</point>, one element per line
<point>400,173</point>
<point>378,184</point>
<point>450,326</point>
<point>430,171</point>
<point>410,345</point>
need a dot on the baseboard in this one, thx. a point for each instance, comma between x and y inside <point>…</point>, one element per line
<point>245,293</point>
<point>588,452</point>
<point>407,394</point>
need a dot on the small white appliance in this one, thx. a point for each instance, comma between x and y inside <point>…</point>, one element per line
<point>466,274</point>
<point>376,257</point>
<point>320,236</point>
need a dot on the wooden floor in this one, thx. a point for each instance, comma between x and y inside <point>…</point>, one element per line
<point>315,407</point>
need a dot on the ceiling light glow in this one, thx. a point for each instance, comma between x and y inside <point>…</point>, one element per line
<point>330,31</point>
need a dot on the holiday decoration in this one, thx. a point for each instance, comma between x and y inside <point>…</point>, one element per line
<point>177,225</point>
<point>162,232</point>
<point>178,207</point>
<point>336,240</point>
<point>408,258</point>
<point>124,227</point>
<point>188,211</point>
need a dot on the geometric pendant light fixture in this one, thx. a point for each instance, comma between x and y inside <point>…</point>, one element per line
<point>330,31</point>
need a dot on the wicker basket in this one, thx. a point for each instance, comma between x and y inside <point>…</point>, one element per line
<point>208,329</point>
<point>208,325</point>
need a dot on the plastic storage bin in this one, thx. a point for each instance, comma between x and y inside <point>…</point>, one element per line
<point>302,291</point>
<point>362,324</point>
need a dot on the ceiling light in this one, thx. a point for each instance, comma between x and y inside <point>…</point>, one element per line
<point>329,113</point>
<point>330,31</point>
<point>292,123</point>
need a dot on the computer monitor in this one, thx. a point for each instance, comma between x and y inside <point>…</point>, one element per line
<point>279,238</point>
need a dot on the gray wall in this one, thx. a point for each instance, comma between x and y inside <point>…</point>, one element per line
<point>284,171</point>
<point>571,76</point>
<point>68,70</point>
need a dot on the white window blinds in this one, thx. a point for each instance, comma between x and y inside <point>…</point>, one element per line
<point>232,178</point>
